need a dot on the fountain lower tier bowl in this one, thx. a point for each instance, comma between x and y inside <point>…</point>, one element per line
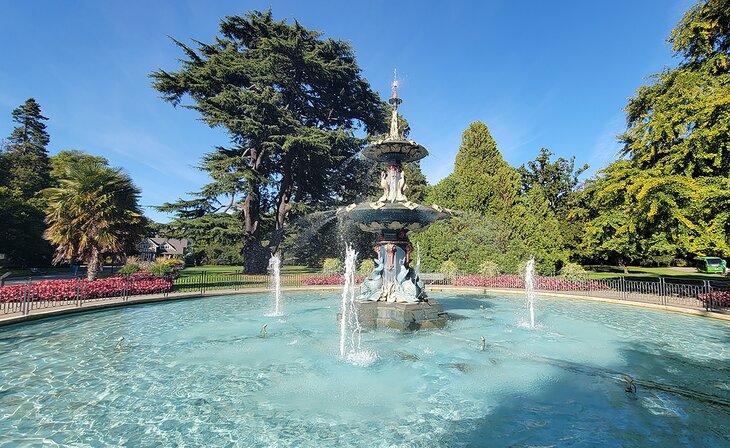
<point>380,216</point>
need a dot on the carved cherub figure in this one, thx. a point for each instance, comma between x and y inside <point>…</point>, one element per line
<point>384,186</point>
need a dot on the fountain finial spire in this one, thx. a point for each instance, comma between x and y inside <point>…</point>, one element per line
<point>395,101</point>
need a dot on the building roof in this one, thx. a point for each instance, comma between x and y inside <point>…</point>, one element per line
<point>176,247</point>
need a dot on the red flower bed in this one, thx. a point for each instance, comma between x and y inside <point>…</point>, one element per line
<point>328,280</point>
<point>502,281</point>
<point>51,290</point>
<point>719,299</point>
<point>513,281</point>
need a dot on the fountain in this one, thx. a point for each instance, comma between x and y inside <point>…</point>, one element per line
<point>275,266</point>
<point>530,289</point>
<point>350,328</point>
<point>393,295</point>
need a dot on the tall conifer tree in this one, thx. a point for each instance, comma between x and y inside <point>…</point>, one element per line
<point>290,102</point>
<point>26,157</point>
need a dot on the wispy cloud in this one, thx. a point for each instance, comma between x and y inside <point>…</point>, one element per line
<point>607,146</point>
<point>147,150</point>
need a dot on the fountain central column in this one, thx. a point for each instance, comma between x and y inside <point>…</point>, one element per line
<point>393,294</point>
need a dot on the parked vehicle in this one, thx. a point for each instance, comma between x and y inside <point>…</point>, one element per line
<point>711,265</point>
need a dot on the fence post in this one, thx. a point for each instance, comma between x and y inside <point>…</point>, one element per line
<point>662,297</point>
<point>26,296</point>
<point>708,293</point>
<point>622,288</point>
<point>202,282</point>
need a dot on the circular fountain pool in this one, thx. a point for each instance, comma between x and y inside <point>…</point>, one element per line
<point>198,373</point>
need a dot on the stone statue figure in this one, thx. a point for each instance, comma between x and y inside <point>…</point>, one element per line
<point>372,286</point>
<point>407,290</point>
<point>384,186</point>
<point>400,193</point>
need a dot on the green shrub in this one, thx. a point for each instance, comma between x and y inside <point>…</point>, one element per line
<point>129,268</point>
<point>332,266</point>
<point>175,264</point>
<point>449,268</point>
<point>521,268</point>
<point>159,269</point>
<point>573,272</point>
<point>366,267</point>
<point>489,269</point>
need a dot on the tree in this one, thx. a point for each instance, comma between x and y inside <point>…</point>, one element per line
<point>416,182</point>
<point>25,156</point>
<point>681,122</point>
<point>215,237</point>
<point>704,33</point>
<point>67,160</point>
<point>482,180</point>
<point>557,180</point>
<point>21,231</point>
<point>634,214</point>
<point>290,102</point>
<point>669,197</point>
<point>94,213</point>
<point>4,164</point>
<point>495,222</point>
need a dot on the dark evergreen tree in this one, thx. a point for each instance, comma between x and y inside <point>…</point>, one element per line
<point>482,180</point>
<point>26,156</point>
<point>495,222</point>
<point>290,101</point>
<point>21,231</point>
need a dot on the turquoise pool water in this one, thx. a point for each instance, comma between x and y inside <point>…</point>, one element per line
<point>197,373</point>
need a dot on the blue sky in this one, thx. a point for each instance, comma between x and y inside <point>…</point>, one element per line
<point>552,74</point>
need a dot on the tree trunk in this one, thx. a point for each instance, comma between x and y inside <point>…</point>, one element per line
<point>255,256</point>
<point>92,266</point>
<point>283,205</point>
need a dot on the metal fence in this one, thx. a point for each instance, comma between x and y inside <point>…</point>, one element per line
<point>698,295</point>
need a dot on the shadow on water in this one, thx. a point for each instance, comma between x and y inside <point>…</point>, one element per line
<point>582,405</point>
<point>465,302</point>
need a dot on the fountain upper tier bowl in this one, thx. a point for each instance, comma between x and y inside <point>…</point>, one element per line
<point>395,150</point>
<point>379,216</point>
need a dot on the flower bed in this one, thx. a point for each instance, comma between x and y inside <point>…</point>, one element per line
<point>328,280</point>
<point>53,290</point>
<point>718,299</point>
<point>513,281</point>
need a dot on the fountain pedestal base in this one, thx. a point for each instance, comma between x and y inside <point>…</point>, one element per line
<point>403,316</point>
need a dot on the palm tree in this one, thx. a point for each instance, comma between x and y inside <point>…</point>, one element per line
<point>93,213</point>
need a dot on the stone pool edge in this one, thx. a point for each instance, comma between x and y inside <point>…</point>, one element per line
<point>116,302</point>
<point>62,310</point>
<point>670,308</point>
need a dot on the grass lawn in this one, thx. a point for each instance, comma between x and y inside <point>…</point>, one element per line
<point>26,272</point>
<point>197,270</point>
<point>641,273</point>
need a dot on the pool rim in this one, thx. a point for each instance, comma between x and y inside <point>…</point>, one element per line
<point>111,303</point>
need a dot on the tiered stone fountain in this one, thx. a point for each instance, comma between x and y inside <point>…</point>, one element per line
<point>393,295</point>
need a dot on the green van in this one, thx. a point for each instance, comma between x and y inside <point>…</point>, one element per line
<point>710,264</point>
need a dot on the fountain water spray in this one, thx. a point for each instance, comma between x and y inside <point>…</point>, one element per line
<point>350,329</point>
<point>275,266</point>
<point>349,324</point>
<point>530,288</point>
